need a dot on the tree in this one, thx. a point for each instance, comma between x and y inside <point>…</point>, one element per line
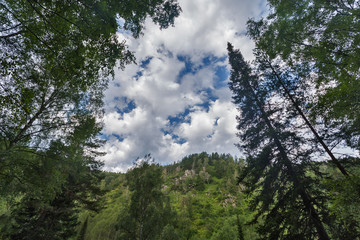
<point>287,85</point>
<point>278,163</point>
<point>56,60</point>
<point>228,231</point>
<point>149,210</point>
<point>315,45</point>
<point>48,210</point>
<point>35,220</point>
<point>169,233</point>
<point>55,63</point>
<point>81,235</point>
<point>323,36</point>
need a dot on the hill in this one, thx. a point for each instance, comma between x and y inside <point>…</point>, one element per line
<point>196,198</point>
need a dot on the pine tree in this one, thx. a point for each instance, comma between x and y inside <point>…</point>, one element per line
<point>286,85</point>
<point>36,220</point>
<point>278,160</point>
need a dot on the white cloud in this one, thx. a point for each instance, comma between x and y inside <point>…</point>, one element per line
<point>158,94</point>
<point>213,130</point>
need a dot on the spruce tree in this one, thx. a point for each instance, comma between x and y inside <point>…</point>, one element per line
<point>279,161</point>
<point>287,85</point>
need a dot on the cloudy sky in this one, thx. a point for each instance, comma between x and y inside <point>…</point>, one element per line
<point>176,101</point>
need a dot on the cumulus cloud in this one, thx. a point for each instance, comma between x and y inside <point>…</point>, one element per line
<point>176,101</point>
<point>212,130</point>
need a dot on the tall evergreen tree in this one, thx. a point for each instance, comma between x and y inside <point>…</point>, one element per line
<point>287,85</point>
<point>278,160</point>
<point>316,46</point>
<point>69,181</point>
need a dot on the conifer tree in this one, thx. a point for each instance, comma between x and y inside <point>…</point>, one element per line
<point>286,85</point>
<point>278,160</point>
<point>69,174</point>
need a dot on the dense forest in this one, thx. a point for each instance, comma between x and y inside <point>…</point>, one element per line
<point>298,102</point>
<point>197,198</point>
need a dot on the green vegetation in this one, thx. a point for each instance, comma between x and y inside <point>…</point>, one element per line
<point>56,60</point>
<point>276,171</point>
<point>320,40</point>
<point>298,100</point>
<point>187,200</point>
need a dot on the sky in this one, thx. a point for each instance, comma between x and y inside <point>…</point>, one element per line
<point>175,101</point>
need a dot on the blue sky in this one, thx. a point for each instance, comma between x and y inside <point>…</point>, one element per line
<point>176,101</point>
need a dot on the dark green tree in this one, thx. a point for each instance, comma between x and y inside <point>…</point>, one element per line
<point>48,210</point>
<point>278,163</point>
<point>81,235</point>
<point>35,220</point>
<point>286,83</point>
<point>149,210</point>
<point>169,233</point>
<point>306,47</point>
<point>239,228</point>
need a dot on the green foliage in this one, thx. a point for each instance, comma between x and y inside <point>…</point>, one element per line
<point>103,224</point>
<point>279,164</point>
<point>149,210</point>
<point>228,230</point>
<point>83,229</point>
<point>48,210</point>
<point>315,45</point>
<point>175,210</point>
<point>57,58</point>
<point>34,220</point>
<point>320,41</point>
<point>169,233</point>
<point>344,202</point>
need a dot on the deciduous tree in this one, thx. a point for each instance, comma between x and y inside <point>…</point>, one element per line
<point>149,210</point>
<point>323,36</point>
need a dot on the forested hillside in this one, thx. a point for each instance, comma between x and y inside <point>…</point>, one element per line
<point>197,198</point>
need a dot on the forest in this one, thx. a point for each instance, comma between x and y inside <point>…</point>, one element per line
<point>196,198</point>
<point>298,103</point>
